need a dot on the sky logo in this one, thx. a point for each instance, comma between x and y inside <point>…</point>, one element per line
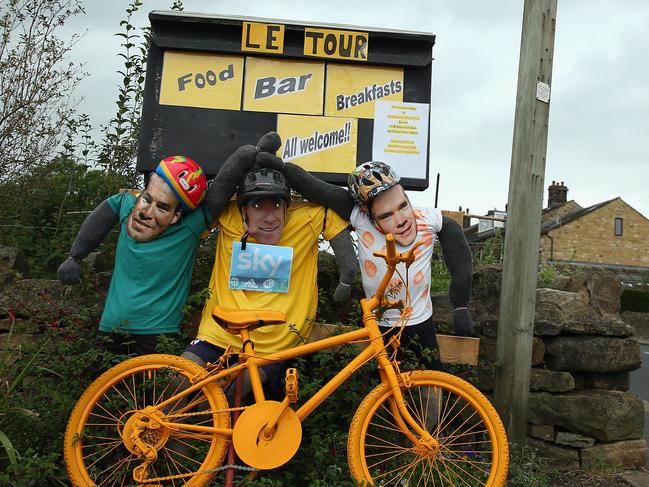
<point>264,268</point>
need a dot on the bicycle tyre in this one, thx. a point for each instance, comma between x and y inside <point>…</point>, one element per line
<point>474,450</point>
<point>96,451</point>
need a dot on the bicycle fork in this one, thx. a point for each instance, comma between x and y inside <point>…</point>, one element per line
<point>420,437</point>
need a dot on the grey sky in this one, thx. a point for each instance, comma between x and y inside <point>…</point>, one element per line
<point>598,140</point>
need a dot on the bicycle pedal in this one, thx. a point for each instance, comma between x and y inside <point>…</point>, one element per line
<point>291,385</point>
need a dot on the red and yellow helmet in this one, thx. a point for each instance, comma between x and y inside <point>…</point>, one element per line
<point>186,179</point>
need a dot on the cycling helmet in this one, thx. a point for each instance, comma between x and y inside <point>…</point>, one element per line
<point>369,180</point>
<point>185,178</point>
<point>261,183</point>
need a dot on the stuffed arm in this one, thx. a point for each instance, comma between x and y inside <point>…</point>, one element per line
<point>347,263</point>
<point>309,186</point>
<point>457,257</point>
<point>224,185</point>
<point>93,230</point>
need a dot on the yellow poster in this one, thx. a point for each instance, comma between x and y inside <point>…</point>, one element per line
<point>337,44</point>
<point>192,79</point>
<point>284,86</point>
<point>262,37</point>
<point>353,90</point>
<point>318,144</point>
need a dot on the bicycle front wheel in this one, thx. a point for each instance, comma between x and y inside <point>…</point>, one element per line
<point>109,430</point>
<point>473,447</point>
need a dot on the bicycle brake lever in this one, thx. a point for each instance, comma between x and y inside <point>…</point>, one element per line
<point>410,256</point>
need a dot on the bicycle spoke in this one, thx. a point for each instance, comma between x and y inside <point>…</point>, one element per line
<point>110,416</point>
<point>111,441</point>
<point>106,453</point>
<point>126,468</point>
<point>115,433</point>
<point>467,442</point>
<point>114,468</point>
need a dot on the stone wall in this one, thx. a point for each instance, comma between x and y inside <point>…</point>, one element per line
<point>581,412</point>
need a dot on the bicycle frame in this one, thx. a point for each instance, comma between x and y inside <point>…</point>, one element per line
<point>376,348</point>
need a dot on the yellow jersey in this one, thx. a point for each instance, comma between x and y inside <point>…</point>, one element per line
<point>304,224</point>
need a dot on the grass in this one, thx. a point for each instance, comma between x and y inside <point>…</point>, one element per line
<point>528,469</point>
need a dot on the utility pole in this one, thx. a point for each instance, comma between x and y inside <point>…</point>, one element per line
<point>520,263</point>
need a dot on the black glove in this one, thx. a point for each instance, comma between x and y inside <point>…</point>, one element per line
<point>345,254</point>
<point>69,271</point>
<point>462,324</point>
<point>235,167</point>
<point>343,293</point>
<point>264,159</point>
<point>92,232</point>
<point>269,142</point>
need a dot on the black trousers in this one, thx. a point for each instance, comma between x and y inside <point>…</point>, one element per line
<point>417,339</point>
<point>123,344</point>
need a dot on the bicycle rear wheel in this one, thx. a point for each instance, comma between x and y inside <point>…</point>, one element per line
<point>473,444</point>
<point>102,436</point>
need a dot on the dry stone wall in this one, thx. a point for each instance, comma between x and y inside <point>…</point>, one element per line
<point>581,412</point>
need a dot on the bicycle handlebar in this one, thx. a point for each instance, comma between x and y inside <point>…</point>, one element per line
<point>392,258</point>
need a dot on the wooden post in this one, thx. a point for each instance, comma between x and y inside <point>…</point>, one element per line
<point>520,265</point>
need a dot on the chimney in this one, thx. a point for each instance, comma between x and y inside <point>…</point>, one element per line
<point>557,194</point>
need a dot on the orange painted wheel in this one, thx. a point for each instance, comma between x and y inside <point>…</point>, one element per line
<point>112,426</point>
<point>472,443</point>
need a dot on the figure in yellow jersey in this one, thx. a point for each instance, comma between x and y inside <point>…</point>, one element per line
<point>266,258</point>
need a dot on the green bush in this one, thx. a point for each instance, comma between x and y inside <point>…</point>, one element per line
<point>440,278</point>
<point>41,381</point>
<point>527,469</point>
<point>49,215</point>
<point>546,276</point>
<point>635,300</point>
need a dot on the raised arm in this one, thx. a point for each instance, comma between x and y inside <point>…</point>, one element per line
<point>309,186</point>
<point>457,256</point>
<point>343,247</point>
<point>92,232</point>
<point>224,185</point>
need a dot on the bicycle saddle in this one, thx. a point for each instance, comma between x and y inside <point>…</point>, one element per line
<point>234,320</point>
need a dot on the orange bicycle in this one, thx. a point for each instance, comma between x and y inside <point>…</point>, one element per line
<point>163,420</point>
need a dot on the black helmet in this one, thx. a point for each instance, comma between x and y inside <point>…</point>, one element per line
<point>262,183</point>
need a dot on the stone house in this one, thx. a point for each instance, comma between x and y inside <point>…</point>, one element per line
<point>610,235</point>
<point>607,234</point>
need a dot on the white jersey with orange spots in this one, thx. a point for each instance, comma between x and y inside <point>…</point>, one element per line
<point>370,240</point>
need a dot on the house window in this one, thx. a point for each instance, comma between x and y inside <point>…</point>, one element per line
<point>618,227</point>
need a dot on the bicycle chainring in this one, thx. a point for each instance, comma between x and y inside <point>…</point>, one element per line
<point>259,449</point>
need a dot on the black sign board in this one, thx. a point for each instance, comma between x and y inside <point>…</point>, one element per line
<point>338,95</point>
